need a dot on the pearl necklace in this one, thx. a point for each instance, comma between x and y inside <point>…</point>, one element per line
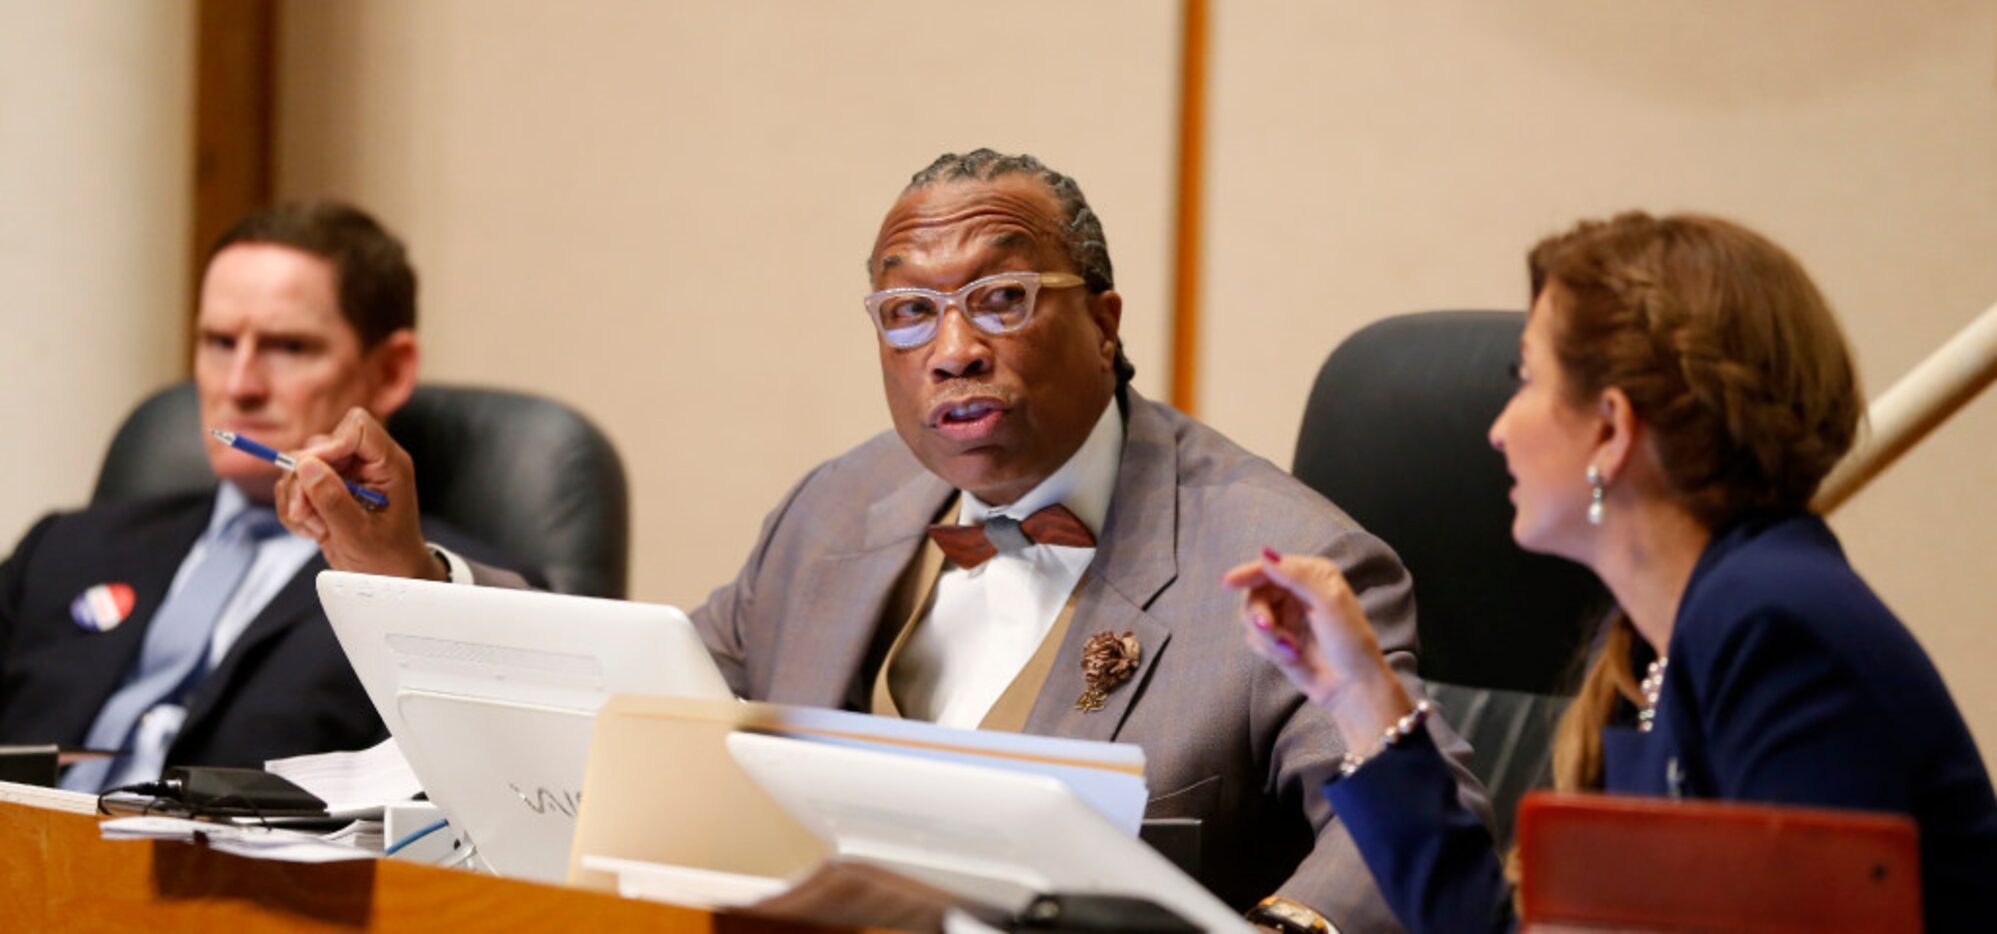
<point>1652,688</point>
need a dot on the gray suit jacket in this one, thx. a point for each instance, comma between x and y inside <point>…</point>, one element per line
<point>1226,738</point>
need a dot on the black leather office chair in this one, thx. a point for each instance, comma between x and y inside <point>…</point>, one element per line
<point>523,473</point>
<point>1395,434</point>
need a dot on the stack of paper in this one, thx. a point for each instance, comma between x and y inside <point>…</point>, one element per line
<point>254,842</point>
<point>353,784</point>
<point>361,835</point>
<point>685,885</point>
<point>53,799</point>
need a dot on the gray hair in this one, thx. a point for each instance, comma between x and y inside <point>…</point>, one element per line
<point>1081,229</point>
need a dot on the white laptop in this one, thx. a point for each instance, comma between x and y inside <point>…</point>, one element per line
<point>492,694</point>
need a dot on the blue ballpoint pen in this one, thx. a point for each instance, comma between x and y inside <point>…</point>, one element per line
<point>368,498</point>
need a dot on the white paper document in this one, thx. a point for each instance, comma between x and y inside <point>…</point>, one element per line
<point>684,885</point>
<point>1117,795</point>
<point>353,784</point>
<point>53,799</point>
<point>253,842</point>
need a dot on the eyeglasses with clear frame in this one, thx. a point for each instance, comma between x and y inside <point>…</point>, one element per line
<point>909,317</point>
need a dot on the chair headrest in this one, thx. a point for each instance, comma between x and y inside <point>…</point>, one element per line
<point>1395,434</point>
<point>523,473</point>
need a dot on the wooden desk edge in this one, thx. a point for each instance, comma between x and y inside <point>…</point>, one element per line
<point>57,873</point>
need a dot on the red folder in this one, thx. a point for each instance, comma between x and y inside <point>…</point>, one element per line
<point>1614,862</point>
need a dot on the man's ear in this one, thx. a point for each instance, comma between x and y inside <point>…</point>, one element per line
<point>1106,310</point>
<point>391,368</point>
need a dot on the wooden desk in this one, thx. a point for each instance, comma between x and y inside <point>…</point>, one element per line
<point>58,874</point>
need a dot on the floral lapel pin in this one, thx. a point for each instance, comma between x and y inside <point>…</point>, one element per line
<point>1107,661</point>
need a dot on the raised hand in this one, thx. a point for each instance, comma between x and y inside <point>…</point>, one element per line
<point>313,502</point>
<point>1299,612</point>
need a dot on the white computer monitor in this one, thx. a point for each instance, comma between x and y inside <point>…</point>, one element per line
<point>492,694</point>
<point>995,835</point>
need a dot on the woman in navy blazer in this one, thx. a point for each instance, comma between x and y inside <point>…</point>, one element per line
<point>1683,389</point>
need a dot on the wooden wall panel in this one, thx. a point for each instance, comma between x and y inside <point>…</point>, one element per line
<point>234,61</point>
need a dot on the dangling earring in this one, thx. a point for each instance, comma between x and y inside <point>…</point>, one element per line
<point>1597,488</point>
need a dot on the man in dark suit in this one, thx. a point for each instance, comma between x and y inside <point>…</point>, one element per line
<point>1035,547</point>
<point>185,629</point>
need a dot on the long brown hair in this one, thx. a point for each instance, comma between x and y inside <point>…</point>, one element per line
<point>1731,358</point>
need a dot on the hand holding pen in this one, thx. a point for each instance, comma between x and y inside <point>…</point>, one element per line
<point>369,498</point>
<point>321,499</point>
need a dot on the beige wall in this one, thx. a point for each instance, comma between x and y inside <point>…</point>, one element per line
<point>96,127</point>
<point>1372,159</point>
<point>658,211</point>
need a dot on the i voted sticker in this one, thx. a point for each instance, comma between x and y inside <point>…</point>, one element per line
<point>103,607</point>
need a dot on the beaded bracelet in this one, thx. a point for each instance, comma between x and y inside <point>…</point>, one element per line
<point>1398,731</point>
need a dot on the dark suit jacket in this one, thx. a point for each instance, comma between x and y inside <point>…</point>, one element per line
<point>1226,738</point>
<point>1789,682</point>
<point>283,689</point>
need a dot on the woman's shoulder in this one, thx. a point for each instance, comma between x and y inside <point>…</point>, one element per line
<point>1776,599</point>
<point>1789,567</point>
<point>1785,583</point>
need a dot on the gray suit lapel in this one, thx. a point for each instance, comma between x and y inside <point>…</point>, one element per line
<point>1136,558</point>
<point>845,593</point>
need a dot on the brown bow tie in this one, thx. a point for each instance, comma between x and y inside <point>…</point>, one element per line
<point>968,546</point>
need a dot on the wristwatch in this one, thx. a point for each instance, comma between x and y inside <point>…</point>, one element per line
<point>1281,914</point>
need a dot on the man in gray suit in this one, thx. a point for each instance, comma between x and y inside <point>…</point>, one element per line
<point>1036,547</point>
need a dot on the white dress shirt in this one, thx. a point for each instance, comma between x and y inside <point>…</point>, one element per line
<point>987,621</point>
<point>278,560</point>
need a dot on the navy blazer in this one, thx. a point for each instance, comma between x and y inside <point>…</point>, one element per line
<point>284,688</point>
<point>1789,682</point>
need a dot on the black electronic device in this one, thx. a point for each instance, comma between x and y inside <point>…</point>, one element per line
<point>39,764</point>
<point>216,792</point>
<point>1076,913</point>
<point>1177,839</point>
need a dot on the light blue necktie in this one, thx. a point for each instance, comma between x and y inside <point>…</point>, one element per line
<point>175,647</point>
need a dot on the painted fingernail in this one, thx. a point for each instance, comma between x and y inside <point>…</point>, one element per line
<point>1286,648</point>
<point>1261,622</point>
<point>1270,555</point>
